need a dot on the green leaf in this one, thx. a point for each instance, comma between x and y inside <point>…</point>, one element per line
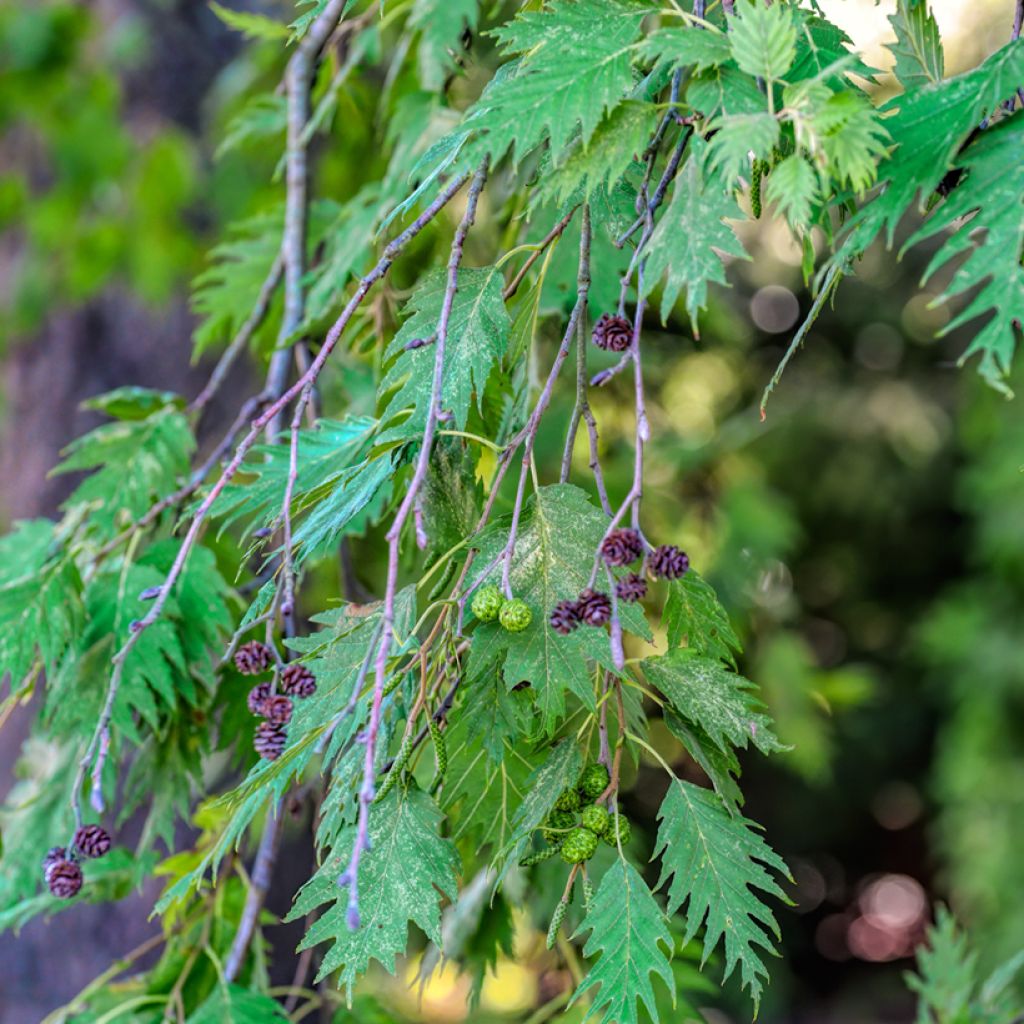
<point>577,65</point>
<point>990,200</point>
<point>850,137</point>
<point>703,691</point>
<point>402,876</point>
<point>348,233</point>
<point>686,45</point>
<point>558,772</point>
<point>441,23</point>
<point>136,462</point>
<point>133,403</point>
<point>224,294</point>
<point>488,773</point>
<point>264,116</point>
<point>41,609</point>
<point>714,863</point>
<point>34,816</point>
<point>918,48</point>
<point>558,535</point>
<point>946,970</point>
<point>155,675</point>
<point>618,141</point>
<point>692,237</point>
<point>477,337</point>
<point>763,38</point>
<point>314,9</point>
<point>929,125</point>
<point>824,52</point>
<point>252,26</point>
<point>451,496</point>
<point>629,931</point>
<point>737,137</point>
<point>722,767</point>
<point>336,479</point>
<point>724,89</point>
<point>232,1004</point>
<point>792,186</point>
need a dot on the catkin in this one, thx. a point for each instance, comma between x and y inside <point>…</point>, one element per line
<point>397,767</point>
<point>588,894</point>
<point>556,922</point>
<point>755,187</point>
<point>539,857</point>
<point>440,750</point>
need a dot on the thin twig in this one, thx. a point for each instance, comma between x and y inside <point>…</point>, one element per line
<point>242,338</point>
<point>367,789</point>
<point>581,409</point>
<point>554,233</point>
<point>259,885</point>
<point>529,434</point>
<point>832,279</point>
<point>298,80</point>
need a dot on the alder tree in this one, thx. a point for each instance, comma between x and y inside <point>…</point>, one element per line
<point>459,706</point>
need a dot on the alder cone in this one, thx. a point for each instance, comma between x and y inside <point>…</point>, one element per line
<point>593,781</point>
<point>631,588</point>
<point>92,841</point>
<point>621,547</point>
<point>580,845</point>
<point>253,658</point>
<point>668,562</point>
<point>53,854</point>
<point>270,740</point>
<point>612,333</point>
<point>278,709</point>
<point>564,618</point>
<point>64,879</point>
<point>257,697</point>
<point>594,607</point>
<point>297,681</point>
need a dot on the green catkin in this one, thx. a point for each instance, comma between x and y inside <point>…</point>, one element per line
<point>755,187</point>
<point>393,685</point>
<point>588,894</point>
<point>556,922</point>
<point>440,752</point>
<point>397,767</point>
<point>538,857</point>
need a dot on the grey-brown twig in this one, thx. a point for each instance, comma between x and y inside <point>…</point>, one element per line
<point>367,789</point>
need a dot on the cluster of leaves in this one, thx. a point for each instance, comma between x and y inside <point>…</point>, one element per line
<point>593,103</point>
<point>947,984</point>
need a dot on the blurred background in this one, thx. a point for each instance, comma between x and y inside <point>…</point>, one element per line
<point>868,538</point>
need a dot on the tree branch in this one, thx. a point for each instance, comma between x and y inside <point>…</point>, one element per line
<point>367,790</point>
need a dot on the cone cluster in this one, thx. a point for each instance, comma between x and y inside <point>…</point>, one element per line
<point>62,871</point>
<point>576,824</point>
<point>274,706</point>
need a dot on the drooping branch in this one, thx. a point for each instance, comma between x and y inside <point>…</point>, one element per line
<point>257,426</point>
<point>529,433</point>
<point>298,80</point>
<point>367,790</point>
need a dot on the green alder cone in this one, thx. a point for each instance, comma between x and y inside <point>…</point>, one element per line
<point>619,830</point>
<point>593,781</point>
<point>487,603</point>
<point>568,800</point>
<point>580,845</point>
<point>596,818</point>
<point>557,825</point>
<point>515,615</point>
